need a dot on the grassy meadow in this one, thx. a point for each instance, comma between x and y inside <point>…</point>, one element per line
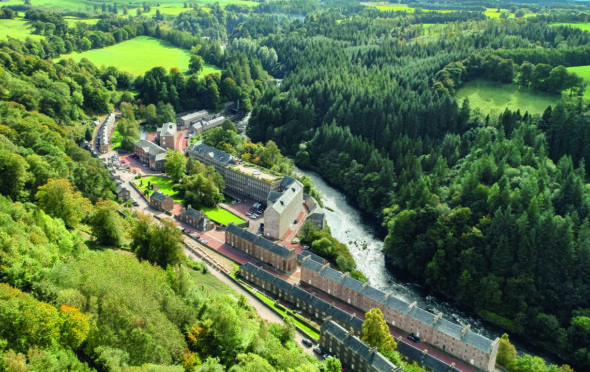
<point>584,73</point>
<point>139,55</point>
<point>581,26</point>
<point>88,5</point>
<point>164,184</point>
<point>16,28</point>
<point>492,97</point>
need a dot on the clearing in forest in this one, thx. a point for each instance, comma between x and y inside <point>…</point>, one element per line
<point>493,98</point>
<point>581,26</point>
<point>584,73</point>
<point>139,55</point>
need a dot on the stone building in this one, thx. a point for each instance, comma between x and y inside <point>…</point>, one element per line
<point>103,138</point>
<point>196,219</point>
<point>161,202</point>
<point>151,154</point>
<point>355,355</point>
<point>188,120</point>
<point>123,193</point>
<point>167,135</point>
<point>315,307</point>
<point>240,177</point>
<point>284,205</point>
<point>281,257</point>
<point>452,338</point>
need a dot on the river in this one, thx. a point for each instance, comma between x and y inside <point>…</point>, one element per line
<point>347,225</point>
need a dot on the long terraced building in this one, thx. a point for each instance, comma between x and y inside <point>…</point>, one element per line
<point>452,338</point>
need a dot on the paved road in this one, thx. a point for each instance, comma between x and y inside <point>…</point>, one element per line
<point>262,310</point>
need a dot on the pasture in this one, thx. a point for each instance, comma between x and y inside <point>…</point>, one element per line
<point>16,28</point>
<point>581,26</point>
<point>584,73</point>
<point>494,98</point>
<point>88,5</point>
<point>139,55</point>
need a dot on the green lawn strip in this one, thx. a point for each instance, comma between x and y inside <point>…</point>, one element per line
<point>222,216</point>
<point>116,139</point>
<point>209,282</point>
<point>584,73</point>
<point>310,332</point>
<point>492,97</point>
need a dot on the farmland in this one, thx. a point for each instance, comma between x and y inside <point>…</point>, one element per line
<point>491,97</point>
<point>17,28</point>
<point>124,56</point>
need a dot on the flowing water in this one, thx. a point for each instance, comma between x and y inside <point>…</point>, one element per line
<point>347,225</point>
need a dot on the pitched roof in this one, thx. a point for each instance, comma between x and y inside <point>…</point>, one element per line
<point>401,306</point>
<point>159,196</point>
<point>193,213</point>
<point>259,241</point>
<point>195,115</point>
<point>287,195</point>
<point>150,147</point>
<point>168,129</point>
<point>352,343</point>
<point>316,302</point>
<point>208,151</point>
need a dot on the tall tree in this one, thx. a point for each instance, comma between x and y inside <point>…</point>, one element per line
<point>376,332</point>
<point>59,199</point>
<point>175,165</point>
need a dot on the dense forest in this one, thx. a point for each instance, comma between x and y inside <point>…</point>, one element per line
<point>491,210</point>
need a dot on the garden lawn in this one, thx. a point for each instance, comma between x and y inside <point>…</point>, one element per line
<point>584,73</point>
<point>165,186</point>
<point>222,216</point>
<point>139,55</point>
<point>116,139</point>
<point>494,98</point>
<point>17,28</point>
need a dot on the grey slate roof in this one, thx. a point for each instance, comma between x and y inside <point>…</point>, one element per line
<point>193,213</point>
<point>273,196</point>
<point>316,302</point>
<point>168,129</point>
<point>218,155</point>
<point>194,115</point>
<point>352,343</point>
<point>287,195</point>
<point>160,156</point>
<point>286,182</point>
<point>158,196</point>
<point>150,147</point>
<point>401,306</point>
<point>259,241</point>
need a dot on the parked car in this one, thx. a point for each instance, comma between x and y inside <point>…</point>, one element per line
<point>307,342</point>
<point>412,337</point>
<point>135,203</point>
<point>204,241</point>
<point>326,356</point>
<point>318,350</point>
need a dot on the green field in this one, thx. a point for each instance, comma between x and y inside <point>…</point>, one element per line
<point>581,26</point>
<point>165,186</point>
<point>584,73</point>
<point>17,28</point>
<point>88,5</point>
<point>116,139</point>
<point>139,55</point>
<point>222,216</point>
<point>73,20</point>
<point>492,97</point>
